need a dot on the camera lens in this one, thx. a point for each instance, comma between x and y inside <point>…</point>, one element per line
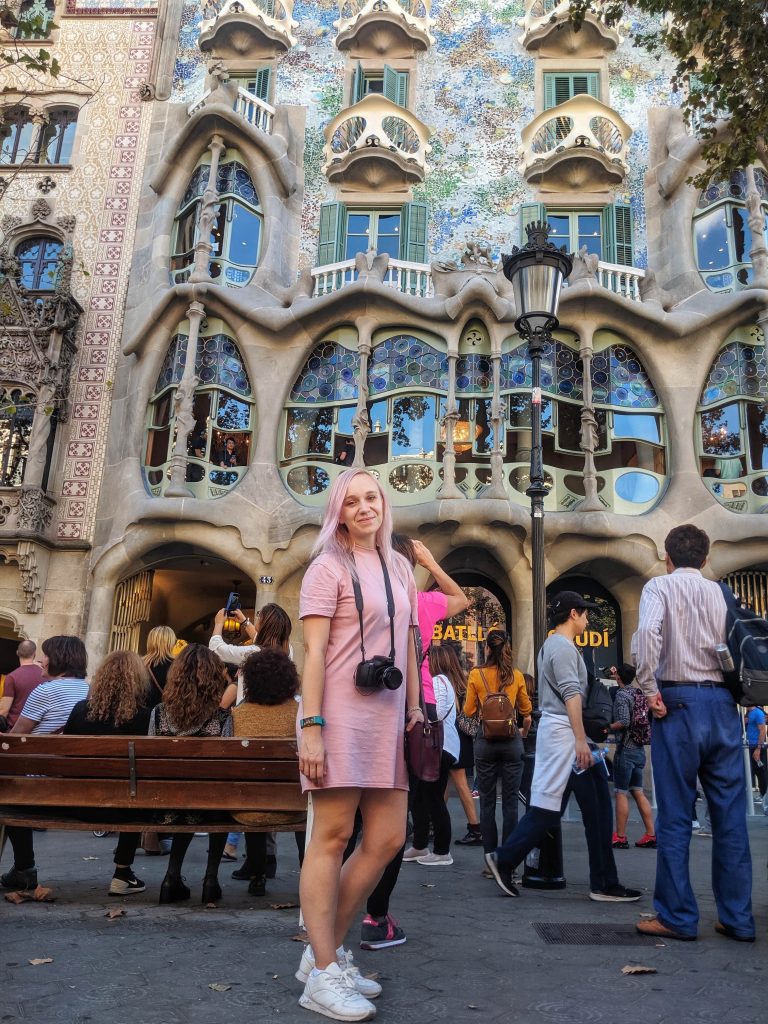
<point>392,678</point>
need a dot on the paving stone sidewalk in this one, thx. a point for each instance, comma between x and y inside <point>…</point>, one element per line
<point>472,954</point>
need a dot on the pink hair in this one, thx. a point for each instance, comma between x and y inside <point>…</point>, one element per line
<point>333,537</point>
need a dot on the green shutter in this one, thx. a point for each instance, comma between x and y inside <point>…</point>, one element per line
<point>587,83</point>
<point>558,88</point>
<point>413,232</point>
<point>261,88</point>
<point>396,86</point>
<point>331,245</point>
<point>620,216</point>
<point>530,212</point>
<point>358,84</point>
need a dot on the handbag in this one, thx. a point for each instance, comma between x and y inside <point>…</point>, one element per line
<point>424,742</point>
<point>468,724</point>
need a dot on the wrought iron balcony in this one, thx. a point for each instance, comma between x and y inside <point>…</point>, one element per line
<point>547,31</point>
<point>247,28</point>
<point>376,144</point>
<point>392,27</point>
<point>580,144</point>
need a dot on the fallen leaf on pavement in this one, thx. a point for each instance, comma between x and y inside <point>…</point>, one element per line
<point>211,906</point>
<point>471,1006</point>
<point>637,969</point>
<point>43,895</point>
<point>648,917</point>
<point>283,906</point>
<point>427,885</point>
<point>217,986</point>
<point>298,937</point>
<point>41,960</point>
<point>90,858</point>
<point>14,897</point>
<point>112,914</point>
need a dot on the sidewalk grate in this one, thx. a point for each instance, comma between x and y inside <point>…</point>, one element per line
<point>593,934</point>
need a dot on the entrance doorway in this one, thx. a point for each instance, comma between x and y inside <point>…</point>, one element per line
<point>9,641</point>
<point>601,643</point>
<point>178,586</point>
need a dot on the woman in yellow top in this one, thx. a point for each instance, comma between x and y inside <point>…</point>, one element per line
<point>499,758</point>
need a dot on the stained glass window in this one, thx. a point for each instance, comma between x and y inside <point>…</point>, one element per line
<point>406,362</point>
<point>738,370</point>
<point>329,375</point>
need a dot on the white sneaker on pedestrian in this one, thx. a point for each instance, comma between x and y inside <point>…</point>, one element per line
<point>412,854</point>
<point>365,986</point>
<point>433,860</point>
<point>331,993</point>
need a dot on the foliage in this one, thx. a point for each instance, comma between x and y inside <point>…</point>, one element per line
<point>27,26</point>
<point>721,70</point>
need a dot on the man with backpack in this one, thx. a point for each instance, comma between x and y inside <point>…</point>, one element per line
<point>696,730</point>
<point>631,725</point>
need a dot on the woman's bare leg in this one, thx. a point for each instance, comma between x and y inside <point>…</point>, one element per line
<point>459,778</point>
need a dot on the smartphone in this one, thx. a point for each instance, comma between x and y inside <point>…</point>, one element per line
<point>233,603</point>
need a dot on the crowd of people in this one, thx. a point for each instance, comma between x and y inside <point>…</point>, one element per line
<point>366,684</point>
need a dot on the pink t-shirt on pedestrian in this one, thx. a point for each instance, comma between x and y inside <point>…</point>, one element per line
<point>433,606</point>
<point>18,686</point>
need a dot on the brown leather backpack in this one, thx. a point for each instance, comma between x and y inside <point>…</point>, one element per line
<point>497,714</point>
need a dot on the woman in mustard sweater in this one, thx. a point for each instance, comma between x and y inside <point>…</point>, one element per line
<point>499,758</point>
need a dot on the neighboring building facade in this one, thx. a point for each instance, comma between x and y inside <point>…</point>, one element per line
<point>326,192</point>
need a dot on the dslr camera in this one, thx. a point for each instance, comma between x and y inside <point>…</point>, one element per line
<point>378,673</point>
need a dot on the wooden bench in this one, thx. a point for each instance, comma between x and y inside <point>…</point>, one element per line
<point>60,782</point>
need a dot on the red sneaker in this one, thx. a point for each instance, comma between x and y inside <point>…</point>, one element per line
<point>620,842</point>
<point>647,840</point>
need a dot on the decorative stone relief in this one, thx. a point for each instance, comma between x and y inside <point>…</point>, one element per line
<point>33,567</point>
<point>40,209</point>
<point>67,222</point>
<point>46,184</point>
<point>7,505</point>
<point>35,509</point>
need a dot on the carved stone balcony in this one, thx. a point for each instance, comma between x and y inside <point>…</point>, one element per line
<point>547,32</point>
<point>376,144</point>
<point>579,145</point>
<point>247,29</point>
<point>397,28</point>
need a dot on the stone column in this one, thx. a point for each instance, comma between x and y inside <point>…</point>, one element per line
<point>183,401</point>
<point>589,432</point>
<point>209,207</point>
<point>361,423</point>
<point>758,254</point>
<point>497,488</point>
<point>40,122</point>
<point>449,488</point>
<point>41,427</point>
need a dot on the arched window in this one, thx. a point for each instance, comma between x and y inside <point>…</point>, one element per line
<point>733,424</point>
<point>58,136</point>
<point>407,403</point>
<point>35,19</point>
<point>721,232</point>
<point>237,227</point>
<point>38,258</point>
<point>219,445</point>
<point>17,410</point>
<point>16,132</point>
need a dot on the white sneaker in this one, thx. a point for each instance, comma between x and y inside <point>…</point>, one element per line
<point>412,854</point>
<point>365,986</point>
<point>330,993</point>
<point>434,860</point>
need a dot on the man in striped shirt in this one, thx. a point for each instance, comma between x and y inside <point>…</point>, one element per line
<point>696,730</point>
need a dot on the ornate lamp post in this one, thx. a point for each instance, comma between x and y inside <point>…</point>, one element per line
<point>537,272</point>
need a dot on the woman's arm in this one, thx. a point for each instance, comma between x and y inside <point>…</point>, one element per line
<point>229,697</point>
<point>470,701</point>
<point>317,629</point>
<point>457,599</point>
<point>413,712</point>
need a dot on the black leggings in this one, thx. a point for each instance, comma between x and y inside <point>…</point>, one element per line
<point>428,804</point>
<point>180,845</point>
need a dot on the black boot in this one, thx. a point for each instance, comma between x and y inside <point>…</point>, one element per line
<point>173,890</point>
<point>211,889</point>
<point>258,886</point>
<point>244,873</point>
<point>20,879</point>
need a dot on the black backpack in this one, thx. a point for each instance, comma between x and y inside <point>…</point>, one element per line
<point>596,709</point>
<point>747,640</point>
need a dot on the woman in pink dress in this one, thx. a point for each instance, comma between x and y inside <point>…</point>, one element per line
<point>351,747</point>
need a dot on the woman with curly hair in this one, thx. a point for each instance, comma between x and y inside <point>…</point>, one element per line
<point>268,708</point>
<point>190,707</point>
<point>117,705</point>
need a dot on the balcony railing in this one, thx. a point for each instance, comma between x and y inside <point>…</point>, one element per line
<point>408,278</point>
<point>409,18</point>
<point>253,110</point>
<point>274,17</point>
<point>373,129</point>
<point>580,128</point>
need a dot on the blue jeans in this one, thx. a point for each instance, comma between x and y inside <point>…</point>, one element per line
<point>628,767</point>
<point>701,734</point>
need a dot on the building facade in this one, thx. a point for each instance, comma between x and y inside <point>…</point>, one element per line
<point>322,193</point>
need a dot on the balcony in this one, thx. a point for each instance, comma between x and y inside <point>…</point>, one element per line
<point>397,28</point>
<point>580,145</point>
<point>256,112</point>
<point>376,145</point>
<point>548,33</point>
<point>247,29</point>
<point>408,278</point>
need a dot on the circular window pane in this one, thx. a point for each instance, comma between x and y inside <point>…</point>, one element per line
<point>637,487</point>
<point>155,476</point>
<point>411,478</point>
<point>308,480</point>
<point>760,486</point>
<point>521,480</point>
<point>195,473</point>
<point>459,474</point>
<point>222,479</point>
<point>575,484</point>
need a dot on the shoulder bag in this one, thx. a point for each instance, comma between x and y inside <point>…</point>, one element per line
<point>424,742</point>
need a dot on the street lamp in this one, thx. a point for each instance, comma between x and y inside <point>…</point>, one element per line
<point>537,272</point>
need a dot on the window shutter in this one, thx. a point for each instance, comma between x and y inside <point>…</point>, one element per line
<point>587,83</point>
<point>396,86</point>
<point>530,212</point>
<point>558,88</point>
<point>413,232</point>
<point>358,84</point>
<point>263,78</point>
<point>622,233</point>
<point>330,247</point>
<point>549,92</point>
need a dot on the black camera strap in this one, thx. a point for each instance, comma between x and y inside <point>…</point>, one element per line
<point>390,605</point>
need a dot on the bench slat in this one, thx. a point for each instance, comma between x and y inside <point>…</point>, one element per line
<point>154,794</point>
<point>151,746</point>
<point>8,816</point>
<point>87,768</point>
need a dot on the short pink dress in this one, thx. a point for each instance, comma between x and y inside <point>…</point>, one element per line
<point>364,731</point>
